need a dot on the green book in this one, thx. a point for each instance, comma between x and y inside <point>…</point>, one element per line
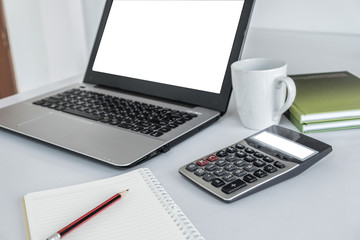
<point>324,126</point>
<point>324,97</point>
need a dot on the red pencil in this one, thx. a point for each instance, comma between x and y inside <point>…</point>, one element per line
<point>62,232</point>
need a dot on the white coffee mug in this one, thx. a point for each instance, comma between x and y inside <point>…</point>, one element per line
<point>262,91</point>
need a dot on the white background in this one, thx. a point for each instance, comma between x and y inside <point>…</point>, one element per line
<point>167,42</point>
<point>51,40</point>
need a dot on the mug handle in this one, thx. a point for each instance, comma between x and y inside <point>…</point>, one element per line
<point>291,93</point>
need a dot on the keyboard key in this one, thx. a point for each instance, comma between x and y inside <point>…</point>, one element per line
<point>230,167</point>
<point>191,167</point>
<point>231,159</point>
<point>260,173</point>
<point>239,172</point>
<point>137,129</point>
<point>217,182</point>
<point>211,167</point>
<point>156,134</point>
<point>146,131</point>
<point>230,150</point>
<point>221,162</point>
<point>201,162</point>
<point>239,146</point>
<point>258,155</point>
<point>233,186</point>
<point>268,159</point>
<point>240,163</point>
<point>249,168</point>
<point>228,177</point>
<point>222,153</point>
<point>249,178</point>
<point>249,158</point>
<point>208,177</point>
<point>125,125</point>
<point>200,172</point>
<point>270,168</point>
<point>279,164</point>
<point>240,154</point>
<point>249,150</point>
<point>212,158</point>
<point>259,163</point>
<point>220,172</point>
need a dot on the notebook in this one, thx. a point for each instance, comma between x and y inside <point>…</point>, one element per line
<point>146,212</point>
<point>158,73</point>
<point>324,97</point>
<point>326,101</point>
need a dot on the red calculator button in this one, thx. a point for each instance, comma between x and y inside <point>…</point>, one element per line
<point>202,162</point>
<point>212,158</point>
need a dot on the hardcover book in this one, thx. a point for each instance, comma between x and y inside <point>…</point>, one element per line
<point>324,97</point>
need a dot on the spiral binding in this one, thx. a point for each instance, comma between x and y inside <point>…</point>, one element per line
<point>183,223</point>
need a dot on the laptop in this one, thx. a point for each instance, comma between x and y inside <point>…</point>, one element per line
<point>158,73</point>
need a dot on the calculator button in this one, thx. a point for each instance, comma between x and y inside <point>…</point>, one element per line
<point>249,150</point>
<point>249,178</point>
<point>240,154</point>
<point>217,182</point>
<point>229,177</point>
<point>240,163</point>
<point>212,158</point>
<point>249,158</point>
<point>233,186</point>
<point>230,167</point>
<point>220,172</point>
<point>232,159</point>
<point>201,162</point>
<point>208,177</point>
<point>259,163</point>
<point>239,146</point>
<point>239,173</point>
<point>191,167</point>
<point>270,168</point>
<point>231,149</point>
<point>268,159</point>
<point>200,172</point>
<point>259,155</point>
<point>211,167</point>
<point>279,164</point>
<point>222,153</point>
<point>221,163</point>
<point>249,168</point>
<point>260,173</point>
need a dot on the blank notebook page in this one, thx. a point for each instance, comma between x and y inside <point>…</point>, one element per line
<point>146,212</point>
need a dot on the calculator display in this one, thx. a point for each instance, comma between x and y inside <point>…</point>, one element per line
<point>285,145</point>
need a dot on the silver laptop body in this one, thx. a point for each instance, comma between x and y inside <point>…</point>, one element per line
<point>150,53</point>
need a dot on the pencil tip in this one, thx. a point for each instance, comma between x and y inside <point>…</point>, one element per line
<point>123,193</point>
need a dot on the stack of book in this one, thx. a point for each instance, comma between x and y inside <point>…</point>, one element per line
<point>325,102</point>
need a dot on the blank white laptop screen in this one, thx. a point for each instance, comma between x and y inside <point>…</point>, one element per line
<point>180,43</point>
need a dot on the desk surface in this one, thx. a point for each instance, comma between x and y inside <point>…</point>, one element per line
<point>321,203</point>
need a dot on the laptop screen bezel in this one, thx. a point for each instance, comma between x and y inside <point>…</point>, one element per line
<point>218,102</point>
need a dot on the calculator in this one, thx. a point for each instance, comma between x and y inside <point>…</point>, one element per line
<point>262,160</point>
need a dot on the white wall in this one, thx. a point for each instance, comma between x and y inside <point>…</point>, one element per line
<point>47,40</point>
<point>324,16</point>
<point>52,39</point>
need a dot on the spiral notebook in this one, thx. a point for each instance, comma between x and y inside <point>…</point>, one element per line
<point>147,211</point>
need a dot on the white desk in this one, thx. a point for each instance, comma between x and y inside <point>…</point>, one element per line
<point>321,203</point>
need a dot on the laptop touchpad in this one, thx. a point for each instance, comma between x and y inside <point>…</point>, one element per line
<point>52,126</point>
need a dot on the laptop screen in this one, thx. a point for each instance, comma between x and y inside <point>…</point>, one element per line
<point>170,42</point>
<point>178,50</point>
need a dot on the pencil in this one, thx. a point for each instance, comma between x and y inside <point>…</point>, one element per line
<point>62,232</point>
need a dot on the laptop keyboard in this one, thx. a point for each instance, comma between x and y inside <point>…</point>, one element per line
<point>123,113</point>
